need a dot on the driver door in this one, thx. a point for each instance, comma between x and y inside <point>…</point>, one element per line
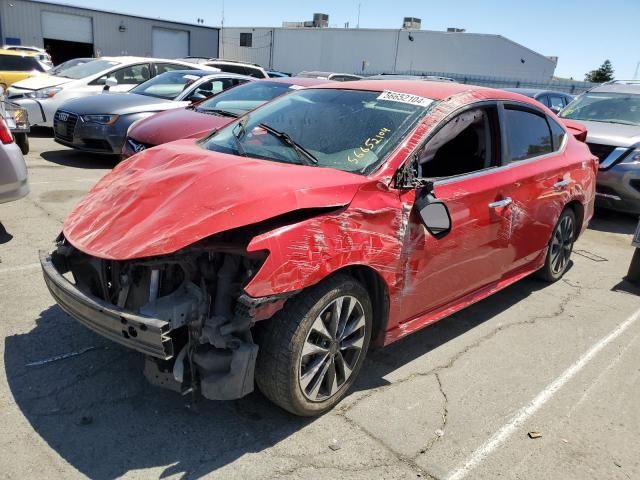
<point>440,272</point>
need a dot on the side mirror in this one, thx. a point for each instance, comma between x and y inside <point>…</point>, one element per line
<point>196,97</point>
<point>555,110</point>
<point>109,82</point>
<point>434,214</point>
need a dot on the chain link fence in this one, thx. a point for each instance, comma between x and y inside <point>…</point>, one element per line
<point>573,87</point>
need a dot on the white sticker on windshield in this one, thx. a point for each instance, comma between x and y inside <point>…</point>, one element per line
<point>295,87</point>
<point>405,98</point>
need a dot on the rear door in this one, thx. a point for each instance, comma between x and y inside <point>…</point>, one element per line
<point>534,147</point>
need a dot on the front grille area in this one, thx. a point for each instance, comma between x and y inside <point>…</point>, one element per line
<point>137,146</point>
<point>96,144</point>
<point>64,124</point>
<point>601,151</point>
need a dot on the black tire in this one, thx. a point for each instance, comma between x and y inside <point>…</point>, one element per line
<point>22,140</point>
<point>561,243</point>
<point>280,364</point>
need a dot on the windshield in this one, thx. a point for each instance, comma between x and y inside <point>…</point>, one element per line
<point>68,64</point>
<point>348,130</point>
<point>607,107</point>
<point>168,85</point>
<point>241,99</point>
<point>87,69</point>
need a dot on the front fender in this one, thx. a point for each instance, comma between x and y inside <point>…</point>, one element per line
<point>303,254</point>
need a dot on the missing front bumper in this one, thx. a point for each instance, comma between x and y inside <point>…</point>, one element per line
<point>144,334</point>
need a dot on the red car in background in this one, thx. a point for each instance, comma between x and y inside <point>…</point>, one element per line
<point>327,219</point>
<point>200,120</point>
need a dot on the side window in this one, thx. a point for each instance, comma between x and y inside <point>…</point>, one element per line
<point>466,144</point>
<point>557,134</point>
<point>230,68</point>
<point>528,134</point>
<point>543,99</point>
<point>213,87</point>
<point>132,75</point>
<point>556,102</point>
<point>169,67</point>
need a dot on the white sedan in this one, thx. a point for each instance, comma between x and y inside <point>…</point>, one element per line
<point>42,95</point>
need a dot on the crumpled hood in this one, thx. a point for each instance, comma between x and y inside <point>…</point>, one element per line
<point>41,81</point>
<point>615,134</point>
<point>175,125</point>
<point>169,197</point>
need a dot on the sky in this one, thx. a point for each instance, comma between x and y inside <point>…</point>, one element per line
<point>581,33</point>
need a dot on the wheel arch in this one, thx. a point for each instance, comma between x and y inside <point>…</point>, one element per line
<point>378,293</point>
<point>578,210</point>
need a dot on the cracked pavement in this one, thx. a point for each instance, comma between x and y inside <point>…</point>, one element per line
<point>420,408</point>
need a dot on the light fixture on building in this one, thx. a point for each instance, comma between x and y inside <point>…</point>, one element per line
<point>122,28</point>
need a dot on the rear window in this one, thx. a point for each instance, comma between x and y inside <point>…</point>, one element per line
<point>17,63</point>
<point>528,134</point>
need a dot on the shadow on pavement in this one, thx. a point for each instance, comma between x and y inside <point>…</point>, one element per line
<point>613,222</point>
<point>97,411</point>
<point>76,159</point>
<point>5,237</point>
<point>41,132</point>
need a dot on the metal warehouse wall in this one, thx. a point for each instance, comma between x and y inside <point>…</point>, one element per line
<point>22,19</point>
<point>345,50</point>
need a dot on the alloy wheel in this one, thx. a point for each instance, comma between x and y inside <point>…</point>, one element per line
<point>332,348</point>
<point>562,244</point>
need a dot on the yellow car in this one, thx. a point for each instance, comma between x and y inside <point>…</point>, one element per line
<point>16,65</point>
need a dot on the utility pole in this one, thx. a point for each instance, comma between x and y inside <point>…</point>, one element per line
<point>635,75</point>
<point>358,25</point>
<point>222,32</point>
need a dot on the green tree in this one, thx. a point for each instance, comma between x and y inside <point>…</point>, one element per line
<point>602,74</point>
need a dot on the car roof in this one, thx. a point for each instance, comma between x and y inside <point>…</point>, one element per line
<point>302,81</point>
<point>18,53</point>
<point>430,89</point>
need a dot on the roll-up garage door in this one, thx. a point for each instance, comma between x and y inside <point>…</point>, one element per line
<point>63,26</point>
<point>170,43</point>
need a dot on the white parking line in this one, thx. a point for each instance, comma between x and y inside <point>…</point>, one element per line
<point>478,456</point>
<point>20,268</point>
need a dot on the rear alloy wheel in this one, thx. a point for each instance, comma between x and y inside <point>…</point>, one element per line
<point>311,351</point>
<point>560,247</point>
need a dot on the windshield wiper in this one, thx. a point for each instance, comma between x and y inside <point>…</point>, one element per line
<point>303,154</point>
<point>217,111</point>
<point>237,132</point>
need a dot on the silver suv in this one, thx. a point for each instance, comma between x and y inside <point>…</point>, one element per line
<point>611,113</point>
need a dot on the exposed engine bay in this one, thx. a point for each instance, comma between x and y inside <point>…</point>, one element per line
<point>197,296</point>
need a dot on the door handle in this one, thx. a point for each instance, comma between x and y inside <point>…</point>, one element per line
<point>501,203</point>
<point>561,184</point>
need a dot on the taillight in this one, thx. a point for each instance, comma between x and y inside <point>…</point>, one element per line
<point>5,133</point>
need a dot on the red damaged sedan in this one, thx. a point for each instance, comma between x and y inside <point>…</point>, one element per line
<point>199,120</point>
<point>286,243</point>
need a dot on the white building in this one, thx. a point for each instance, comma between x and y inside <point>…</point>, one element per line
<point>368,51</point>
<point>69,32</point>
